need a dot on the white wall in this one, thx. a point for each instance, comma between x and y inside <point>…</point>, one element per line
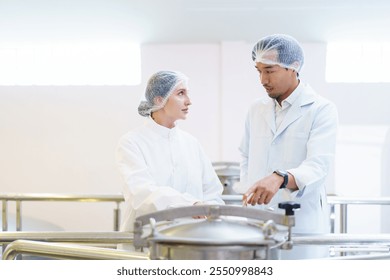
<point>63,139</point>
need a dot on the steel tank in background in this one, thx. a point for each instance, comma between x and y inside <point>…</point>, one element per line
<point>229,174</point>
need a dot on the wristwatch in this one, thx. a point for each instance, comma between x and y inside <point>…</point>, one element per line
<point>284,174</point>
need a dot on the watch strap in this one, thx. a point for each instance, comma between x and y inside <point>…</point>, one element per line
<point>283,174</point>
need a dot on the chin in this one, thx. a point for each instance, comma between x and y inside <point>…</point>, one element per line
<point>273,95</point>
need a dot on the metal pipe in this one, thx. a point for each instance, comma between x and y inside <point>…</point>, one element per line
<point>68,251</point>
<point>70,237</point>
<point>347,242</point>
<point>362,257</point>
<point>340,239</point>
<point>62,197</point>
<point>4,215</point>
<point>343,218</point>
<point>117,217</point>
<point>356,248</point>
<point>18,216</point>
<point>332,217</point>
<point>358,200</point>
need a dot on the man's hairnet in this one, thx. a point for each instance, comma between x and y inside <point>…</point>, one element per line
<point>279,49</point>
<point>162,84</point>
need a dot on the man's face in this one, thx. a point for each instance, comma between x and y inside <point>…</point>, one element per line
<point>279,82</point>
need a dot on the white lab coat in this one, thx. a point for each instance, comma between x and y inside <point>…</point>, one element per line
<point>304,145</point>
<point>164,168</point>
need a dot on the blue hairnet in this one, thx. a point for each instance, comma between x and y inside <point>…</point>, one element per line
<point>162,84</point>
<point>279,49</point>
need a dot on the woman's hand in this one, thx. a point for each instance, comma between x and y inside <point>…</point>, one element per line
<point>199,216</point>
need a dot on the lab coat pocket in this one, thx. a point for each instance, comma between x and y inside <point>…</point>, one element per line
<point>296,149</point>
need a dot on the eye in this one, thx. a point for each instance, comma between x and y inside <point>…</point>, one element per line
<point>182,92</point>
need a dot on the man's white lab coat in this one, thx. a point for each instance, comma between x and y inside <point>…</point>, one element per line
<point>304,145</point>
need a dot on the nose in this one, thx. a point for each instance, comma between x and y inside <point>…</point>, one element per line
<point>188,101</point>
<point>263,79</point>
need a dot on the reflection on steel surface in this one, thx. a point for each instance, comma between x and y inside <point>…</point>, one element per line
<point>67,251</point>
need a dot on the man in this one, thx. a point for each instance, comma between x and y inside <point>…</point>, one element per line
<point>289,141</point>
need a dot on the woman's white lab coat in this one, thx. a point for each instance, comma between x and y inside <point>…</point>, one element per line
<point>304,145</point>
<point>164,168</point>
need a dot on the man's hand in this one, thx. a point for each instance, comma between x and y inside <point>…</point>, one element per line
<point>263,190</point>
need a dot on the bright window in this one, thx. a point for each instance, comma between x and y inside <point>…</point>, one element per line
<point>358,62</point>
<point>70,64</point>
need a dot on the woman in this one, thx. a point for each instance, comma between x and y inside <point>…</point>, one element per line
<point>163,166</point>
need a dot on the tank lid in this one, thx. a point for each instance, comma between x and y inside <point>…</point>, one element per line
<point>213,232</point>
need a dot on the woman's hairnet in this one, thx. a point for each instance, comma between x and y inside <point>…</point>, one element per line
<point>279,49</point>
<point>162,84</point>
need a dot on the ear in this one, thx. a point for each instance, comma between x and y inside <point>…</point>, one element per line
<point>158,100</point>
<point>295,64</point>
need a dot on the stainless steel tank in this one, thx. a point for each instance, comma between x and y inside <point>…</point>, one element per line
<point>229,174</point>
<point>229,232</point>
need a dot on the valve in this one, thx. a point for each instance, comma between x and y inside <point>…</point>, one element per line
<point>289,207</point>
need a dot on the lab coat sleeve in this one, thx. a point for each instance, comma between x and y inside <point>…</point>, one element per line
<point>242,187</point>
<point>212,186</point>
<point>320,148</point>
<point>141,190</point>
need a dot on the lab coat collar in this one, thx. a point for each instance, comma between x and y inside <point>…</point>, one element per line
<point>269,115</point>
<point>161,130</point>
<point>301,96</point>
<point>292,97</point>
<point>305,95</point>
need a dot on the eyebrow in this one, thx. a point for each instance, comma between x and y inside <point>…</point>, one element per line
<point>266,67</point>
<point>181,89</point>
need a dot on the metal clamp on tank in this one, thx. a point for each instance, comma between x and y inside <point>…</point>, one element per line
<point>229,232</point>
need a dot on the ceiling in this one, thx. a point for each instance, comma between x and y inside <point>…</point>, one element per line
<point>193,21</point>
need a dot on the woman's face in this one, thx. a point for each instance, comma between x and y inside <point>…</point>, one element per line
<point>177,104</point>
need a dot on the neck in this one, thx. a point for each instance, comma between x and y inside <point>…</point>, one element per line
<point>162,120</point>
<point>288,93</point>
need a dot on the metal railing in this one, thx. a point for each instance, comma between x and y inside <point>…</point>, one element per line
<point>103,238</point>
<point>47,244</point>
<point>344,202</point>
<point>333,201</point>
<point>19,198</point>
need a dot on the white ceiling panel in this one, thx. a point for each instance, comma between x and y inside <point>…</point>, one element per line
<point>192,21</point>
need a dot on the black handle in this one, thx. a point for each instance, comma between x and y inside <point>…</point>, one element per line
<point>289,206</point>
